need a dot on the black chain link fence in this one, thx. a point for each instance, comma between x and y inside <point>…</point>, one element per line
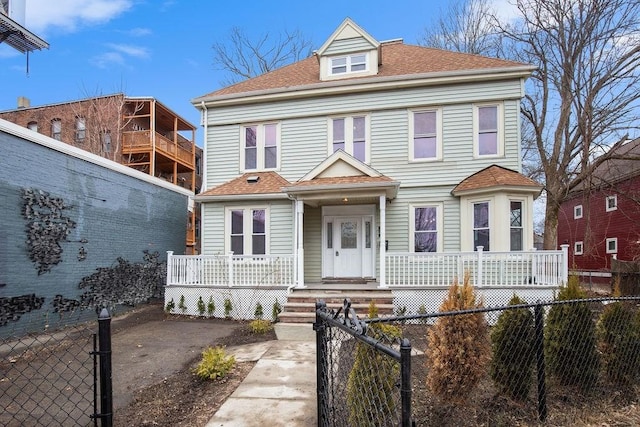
<point>573,362</point>
<point>51,378</point>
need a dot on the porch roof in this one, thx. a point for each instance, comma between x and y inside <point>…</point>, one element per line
<point>249,185</point>
<point>493,177</point>
<point>359,188</point>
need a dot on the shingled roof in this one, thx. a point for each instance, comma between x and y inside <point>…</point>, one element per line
<point>398,59</point>
<point>495,176</point>
<point>249,183</point>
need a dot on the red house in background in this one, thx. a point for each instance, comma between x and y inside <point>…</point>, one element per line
<point>601,219</point>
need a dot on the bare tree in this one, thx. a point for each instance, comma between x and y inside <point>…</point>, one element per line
<point>243,58</point>
<point>584,96</point>
<point>466,26</point>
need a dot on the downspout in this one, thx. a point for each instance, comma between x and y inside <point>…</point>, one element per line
<point>205,118</point>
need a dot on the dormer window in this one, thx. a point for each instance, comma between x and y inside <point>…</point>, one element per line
<point>349,64</point>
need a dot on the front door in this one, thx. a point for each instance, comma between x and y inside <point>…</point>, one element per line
<point>348,246</point>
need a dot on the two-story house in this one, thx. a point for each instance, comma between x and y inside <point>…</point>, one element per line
<point>364,164</point>
<point>139,132</point>
<point>600,219</point>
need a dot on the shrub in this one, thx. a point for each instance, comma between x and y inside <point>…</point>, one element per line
<point>211,307</point>
<point>170,306</point>
<point>276,310</point>
<point>227,307</point>
<point>570,340</point>
<point>214,364</point>
<point>513,344</point>
<point>258,313</point>
<point>375,374</point>
<point>422,310</point>
<point>181,305</point>
<point>200,306</point>
<point>618,332</point>
<point>260,326</point>
<point>458,350</point>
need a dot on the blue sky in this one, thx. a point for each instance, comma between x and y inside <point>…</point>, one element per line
<point>162,48</point>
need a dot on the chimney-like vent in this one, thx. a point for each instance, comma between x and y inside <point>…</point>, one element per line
<point>253,179</point>
<point>23,102</point>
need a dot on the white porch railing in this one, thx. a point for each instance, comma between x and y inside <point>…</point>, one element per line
<point>507,269</point>
<point>230,270</point>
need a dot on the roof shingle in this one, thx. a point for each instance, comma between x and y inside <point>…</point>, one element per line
<point>267,183</point>
<point>495,176</point>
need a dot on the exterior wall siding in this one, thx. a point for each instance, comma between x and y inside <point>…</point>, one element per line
<point>115,216</point>
<point>351,45</point>
<point>312,244</point>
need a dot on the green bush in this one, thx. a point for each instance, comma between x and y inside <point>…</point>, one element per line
<point>513,344</point>
<point>181,305</point>
<point>170,306</point>
<point>570,340</point>
<point>458,350</point>
<point>201,306</point>
<point>422,310</point>
<point>376,375</point>
<point>258,313</point>
<point>260,326</point>
<point>618,332</point>
<point>227,308</point>
<point>276,310</point>
<point>211,307</point>
<point>214,364</point>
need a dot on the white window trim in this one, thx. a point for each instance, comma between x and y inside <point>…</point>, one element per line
<point>577,208</point>
<point>476,128</point>
<point>348,136</point>
<point>523,220</point>
<point>260,146</point>
<point>615,203</point>
<point>578,248</point>
<point>247,219</point>
<point>438,156</point>
<point>439,225</point>
<point>349,64</point>
<point>492,230</point>
<point>613,240</point>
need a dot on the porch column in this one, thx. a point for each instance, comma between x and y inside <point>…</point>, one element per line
<point>299,244</point>
<point>564,274</point>
<point>383,241</point>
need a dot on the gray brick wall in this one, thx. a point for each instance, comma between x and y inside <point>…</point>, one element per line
<point>117,215</point>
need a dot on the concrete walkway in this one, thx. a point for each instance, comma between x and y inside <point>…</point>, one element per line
<point>280,390</point>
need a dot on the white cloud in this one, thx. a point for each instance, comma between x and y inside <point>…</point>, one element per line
<point>506,10</point>
<point>118,54</point>
<point>138,32</point>
<point>135,51</point>
<point>107,59</point>
<point>69,14</point>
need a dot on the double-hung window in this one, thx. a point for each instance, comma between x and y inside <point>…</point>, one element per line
<point>481,229</point>
<point>488,140</point>
<point>260,147</point>
<point>56,129</point>
<point>516,225</point>
<point>32,126</point>
<point>348,64</point>
<point>612,245</point>
<point>350,134</point>
<point>611,203</point>
<point>247,233</point>
<point>425,132</point>
<point>577,212</point>
<point>426,228</point>
<point>105,140</point>
<point>81,129</point>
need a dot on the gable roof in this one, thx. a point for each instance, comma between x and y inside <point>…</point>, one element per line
<point>400,62</point>
<point>251,184</point>
<point>350,167</point>
<point>493,177</point>
<point>348,29</point>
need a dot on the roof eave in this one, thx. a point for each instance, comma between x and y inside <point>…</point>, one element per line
<point>390,187</point>
<point>365,84</point>
<point>239,197</point>
<point>535,190</point>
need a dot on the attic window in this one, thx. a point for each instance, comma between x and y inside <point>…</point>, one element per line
<point>253,179</point>
<point>349,64</point>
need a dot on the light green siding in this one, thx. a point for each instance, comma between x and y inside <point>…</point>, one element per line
<point>344,46</point>
<point>312,244</point>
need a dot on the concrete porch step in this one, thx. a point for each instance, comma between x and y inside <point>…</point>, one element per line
<point>362,309</point>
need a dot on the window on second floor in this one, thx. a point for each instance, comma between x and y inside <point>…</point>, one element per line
<point>105,140</point>
<point>247,231</point>
<point>350,134</point>
<point>32,126</point>
<point>488,140</point>
<point>611,203</point>
<point>612,245</point>
<point>56,129</point>
<point>426,228</point>
<point>348,64</point>
<point>260,147</point>
<point>425,130</point>
<point>481,230</point>
<point>577,212</point>
<point>81,129</point>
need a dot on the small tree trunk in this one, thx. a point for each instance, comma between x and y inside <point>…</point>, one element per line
<point>551,225</point>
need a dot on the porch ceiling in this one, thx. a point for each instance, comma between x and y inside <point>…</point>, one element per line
<point>343,190</point>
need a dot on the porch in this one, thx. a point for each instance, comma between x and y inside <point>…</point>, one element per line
<point>417,281</point>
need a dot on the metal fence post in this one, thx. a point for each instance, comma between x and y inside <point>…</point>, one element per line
<point>321,362</point>
<point>405,378</point>
<point>104,353</point>
<point>539,344</point>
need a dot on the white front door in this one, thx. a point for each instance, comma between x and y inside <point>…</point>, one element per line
<point>348,246</point>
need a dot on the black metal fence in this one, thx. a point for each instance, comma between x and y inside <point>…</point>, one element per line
<point>574,362</point>
<point>58,377</point>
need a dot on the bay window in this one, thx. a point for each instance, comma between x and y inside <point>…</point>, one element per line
<point>481,230</point>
